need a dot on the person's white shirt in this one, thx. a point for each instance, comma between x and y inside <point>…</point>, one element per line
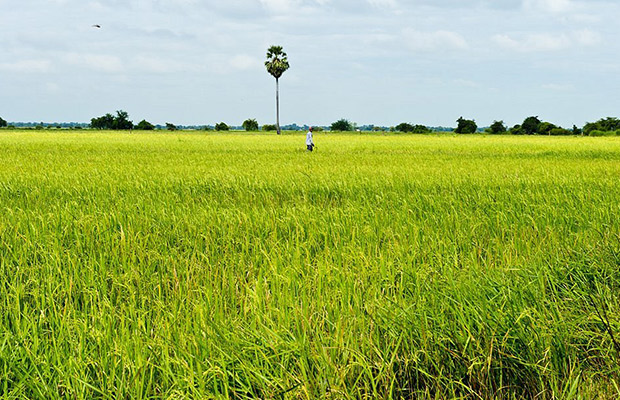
<point>309,141</point>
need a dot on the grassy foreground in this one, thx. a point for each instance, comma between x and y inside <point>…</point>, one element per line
<point>238,266</point>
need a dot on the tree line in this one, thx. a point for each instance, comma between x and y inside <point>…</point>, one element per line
<point>533,125</point>
<point>121,121</point>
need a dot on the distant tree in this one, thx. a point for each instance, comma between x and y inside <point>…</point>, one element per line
<point>409,128</point>
<point>531,125</point>
<point>421,129</point>
<point>597,132</point>
<point>545,128</point>
<point>317,129</point>
<point>221,126</point>
<point>466,126</point>
<point>577,131</point>
<point>171,127</point>
<point>108,121</point>
<point>121,121</point>
<point>104,122</point>
<point>589,127</point>
<point>3,123</point>
<point>497,128</point>
<point>144,125</point>
<point>342,125</point>
<point>609,124</point>
<point>270,128</point>
<point>404,127</point>
<point>560,132</point>
<point>603,125</point>
<point>277,64</point>
<point>516,130</point>
<point>250,125</point>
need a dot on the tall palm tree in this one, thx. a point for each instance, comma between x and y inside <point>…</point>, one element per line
<point>276,64</point>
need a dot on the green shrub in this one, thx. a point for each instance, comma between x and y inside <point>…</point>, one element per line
<point>342,125</point>
<point>144,125</point>
<point>516,130</point>
<point>497,128</point>
<point>603,124</point>
<point>466,126</point>
<point>599,133</point>
<point>221,126</point>
<point>560,132</point>
<point>409,128</point>
<point>250,125</point>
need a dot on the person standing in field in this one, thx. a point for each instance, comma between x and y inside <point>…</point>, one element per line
<point>309,141</point>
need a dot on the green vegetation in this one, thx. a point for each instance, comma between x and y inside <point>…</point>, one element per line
<point>222,126</point>
<point>497,128</point>
<point>534,126</point>
<point>238,266</point>
<point>609,124</point>
<point>409,128</point>
<point>120,121</point>
<point>145,125</point>
<point>342,125</point>
<point>3,123</point>
<point>466,126</point>
<point>530,125</point>
<point>250,125</point>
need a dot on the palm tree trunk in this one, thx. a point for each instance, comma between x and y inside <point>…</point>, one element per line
<point>278,105</point>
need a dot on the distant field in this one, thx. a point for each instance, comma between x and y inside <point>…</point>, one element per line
<point>202,265</point>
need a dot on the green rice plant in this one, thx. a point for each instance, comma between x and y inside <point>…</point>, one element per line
<point>193,265</point>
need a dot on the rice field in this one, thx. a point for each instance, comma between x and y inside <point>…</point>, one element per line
<point>216,266</point>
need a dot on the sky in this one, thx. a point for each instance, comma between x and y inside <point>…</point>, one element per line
<point>381,62</point>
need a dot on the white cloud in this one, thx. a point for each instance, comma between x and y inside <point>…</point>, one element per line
<point>52,87</point>
<point>383,3</point>
<point>558,87</point>
<point>26,66</point>
<point>97,62</point>
<point>431,41</point>
<point>466,83</point>
<point>553,6</point>
<point>244,62</point>
<point>533,42</point>
<point>542,42</point>
<point>160,65</point>
<point>586,37</point>
<point>280,6</point>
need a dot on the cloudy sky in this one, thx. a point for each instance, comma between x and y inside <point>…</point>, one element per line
<point>376,62</point>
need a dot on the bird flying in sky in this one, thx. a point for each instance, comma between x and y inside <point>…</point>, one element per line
<point>97,26</point>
